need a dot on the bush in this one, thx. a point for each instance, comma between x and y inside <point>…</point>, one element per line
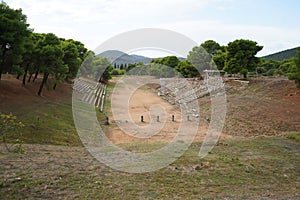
<point>295,71</point>
<point>116,72</point>
<point>244,72</point>
<point>269,72</point>
<point>10,132</point>
<point>294,136</point>
<point>295,77</point>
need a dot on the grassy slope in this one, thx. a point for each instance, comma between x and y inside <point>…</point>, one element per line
<point>286,54</point>
<point>51,124</point>
<point>48,119</point>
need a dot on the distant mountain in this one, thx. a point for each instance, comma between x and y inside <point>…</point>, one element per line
<point>119,57</point>
<point>181,58</point>
<point>143,59</point>
<point>286,54</point>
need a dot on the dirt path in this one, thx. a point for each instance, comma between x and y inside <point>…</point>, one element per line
<point>144,102</point>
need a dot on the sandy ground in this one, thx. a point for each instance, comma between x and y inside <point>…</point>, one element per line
<point>145,102</point>
<point>266,107</point>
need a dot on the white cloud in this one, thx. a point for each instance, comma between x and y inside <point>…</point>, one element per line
<point>272,38</point>
<point>94,21</point>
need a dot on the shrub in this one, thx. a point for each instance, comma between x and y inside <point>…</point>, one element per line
<point>115,72</point>
<point>294,136</point>
<point>10,132</point>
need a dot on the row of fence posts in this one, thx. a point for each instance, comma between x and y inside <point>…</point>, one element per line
<point>157,118</point>
<point>106,121</point>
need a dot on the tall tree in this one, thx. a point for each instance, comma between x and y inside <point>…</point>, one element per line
<point>38,56</point>
<point>87,66</point>
<point>82,51</point>
<point>241,56</point>
<point>170,61</point>
<point>211,47</point>
<point>220,58</point>
<point>29,54</point>
<point>102,69</point>
<point>71,58</point>
<point>200,59</point>
<point>13,29</point>
<point>52,57</point>
<point>186,69</point>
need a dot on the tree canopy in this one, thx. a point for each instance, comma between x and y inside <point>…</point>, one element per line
<point>241,56</point>
<point>26,53</point>
<point>200,59</point>
<point>295,70</point>
<point>96,67</point>
<point>211,46</point>
<point>170,61</point>
<point>14,29</point>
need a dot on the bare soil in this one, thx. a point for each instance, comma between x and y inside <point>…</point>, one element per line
<point>268,106</point>
<point>140,104</point>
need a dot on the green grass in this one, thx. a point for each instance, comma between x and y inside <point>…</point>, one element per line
<point>244,168</point>
<point>51,124</point>
<point>109,90</point>
<point>294,136</point>
<point>50,121</point>
<point>247,168</point>
<point>141,147</point>
<point>47,123</point>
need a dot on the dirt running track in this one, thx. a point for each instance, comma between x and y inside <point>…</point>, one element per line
<point>141,103</point>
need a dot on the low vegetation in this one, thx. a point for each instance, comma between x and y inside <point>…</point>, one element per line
<point>10,132</point>
<point>240,168</point>
<point>294,136</point>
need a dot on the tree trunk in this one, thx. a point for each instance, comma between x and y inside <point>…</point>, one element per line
<point>43,83</point>
<point>2,60</point>
<point>54,86</point>
<point>25,74</point>
<point>36,75</point>
<point>18,77</point>
<point>30,76</point>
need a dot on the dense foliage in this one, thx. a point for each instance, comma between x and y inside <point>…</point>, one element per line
<point>96,67</point>
<point>14,31</point>
<point>294,70</point>
<point>30,55</point>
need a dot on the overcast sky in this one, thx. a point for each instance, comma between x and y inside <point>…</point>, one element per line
<point>274,24</point>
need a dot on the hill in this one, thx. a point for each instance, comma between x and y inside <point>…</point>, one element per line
<point>282,55</point>
<point>143,59</point>
<point>48,119</point>
<point>119,57</point>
